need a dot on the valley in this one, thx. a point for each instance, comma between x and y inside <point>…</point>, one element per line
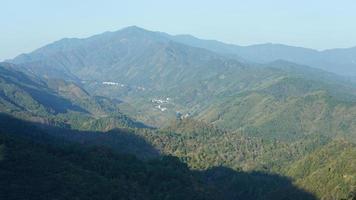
<point>137,114</point>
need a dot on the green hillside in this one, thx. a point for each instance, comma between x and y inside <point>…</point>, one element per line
<point>32,171</point>
<point>73,118</point>
<point>286,109</point>
<point>56,102</point>
<point>39,166</point>
<point>328,172</point>
<point>203,146</point>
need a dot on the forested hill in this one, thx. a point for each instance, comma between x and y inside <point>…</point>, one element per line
<point>136,114</point>
<point>39,166</point>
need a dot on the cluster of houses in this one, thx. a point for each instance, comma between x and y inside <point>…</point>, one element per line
<point>180,115</point>
<point>113,83</point>
<point>164,100</point>
<point>122,85</point>
<point>159,107</point>
<point>160,103</point>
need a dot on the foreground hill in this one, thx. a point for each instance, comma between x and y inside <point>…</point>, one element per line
<point>322,166</point>
<point>35,171</point>
<point>328,172</point>
<point>35,165</point>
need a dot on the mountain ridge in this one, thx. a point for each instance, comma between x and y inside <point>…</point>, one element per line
<point>339,60</point>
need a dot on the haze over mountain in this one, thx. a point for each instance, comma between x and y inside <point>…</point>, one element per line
<point>340,61</point>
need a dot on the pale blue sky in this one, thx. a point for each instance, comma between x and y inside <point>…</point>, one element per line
<point>320,24</point>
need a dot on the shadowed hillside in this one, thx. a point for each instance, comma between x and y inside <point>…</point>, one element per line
<point>39,166</point>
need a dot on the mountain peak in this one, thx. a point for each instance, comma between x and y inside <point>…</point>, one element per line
<point>139,33</point>
<point>134,28</point>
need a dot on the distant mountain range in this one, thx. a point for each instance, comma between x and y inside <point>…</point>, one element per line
<point>339,61</point>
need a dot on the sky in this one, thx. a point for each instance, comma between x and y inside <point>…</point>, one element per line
<point>26,25</point>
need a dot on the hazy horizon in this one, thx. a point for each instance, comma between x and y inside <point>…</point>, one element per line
<point>317,25</point>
